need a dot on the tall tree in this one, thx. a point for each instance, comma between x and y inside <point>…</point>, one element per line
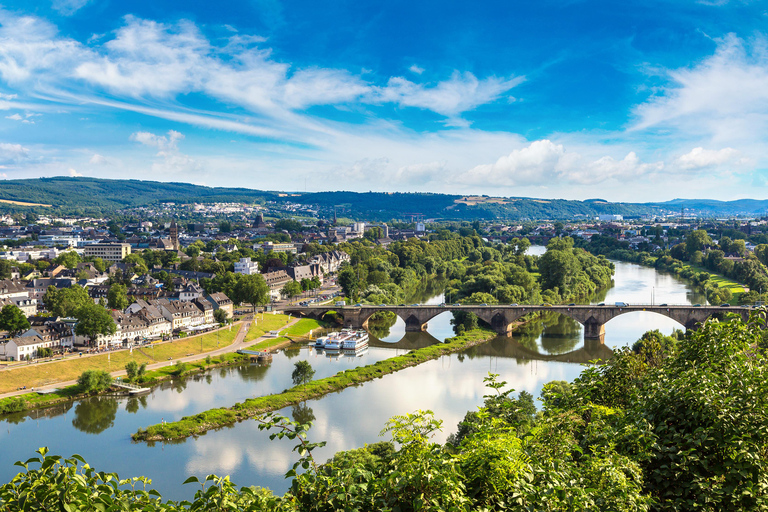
<point>65,301</point>
<point>291,289</point>
<point>117,297</point>
<point>93,320</point>
<point>12,319</point>
<point>252,289</point>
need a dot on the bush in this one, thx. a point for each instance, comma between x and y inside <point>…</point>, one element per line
<point>13,404</point>
<point>94,381</point>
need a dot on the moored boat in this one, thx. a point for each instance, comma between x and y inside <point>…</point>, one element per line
<point>355,340</point>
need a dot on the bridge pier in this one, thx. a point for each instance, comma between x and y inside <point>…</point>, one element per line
<point>594,330</point>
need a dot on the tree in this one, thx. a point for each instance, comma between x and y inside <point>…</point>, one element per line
<point>291,289</point>
<point>65,301</point>
<point>93,320</point>
<point>697,240</point>
<point>221,316</point>
<point>5,269</point>
<point>117,297</point>
<point>131,370</point>
<point>252,289</point>
<point>69,259</point>
<point>302,373</point>
<point>93,381</point>
<point>12,319</point>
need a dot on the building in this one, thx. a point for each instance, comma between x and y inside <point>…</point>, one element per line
<point>221,301</point>
<point>24,347</point>
<point>276,280</point>
<point>609,217</point>
<point>268,247</point>
<point>246,266</point>
<point>174,229</point>
<point>108,251</point>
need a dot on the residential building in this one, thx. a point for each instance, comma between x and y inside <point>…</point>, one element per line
<point>221,301</point>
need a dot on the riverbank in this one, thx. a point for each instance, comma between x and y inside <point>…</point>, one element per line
<point>224,416</point>
<point>218,351</point>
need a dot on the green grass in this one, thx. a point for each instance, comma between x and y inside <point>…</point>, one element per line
<point>721,281</point>
<point>38,375</point>
<point>265,323</point>
<point>303,326</point>
<point>216,418</point>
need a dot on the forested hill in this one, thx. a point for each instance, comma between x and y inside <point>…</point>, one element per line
<point>67,195</point>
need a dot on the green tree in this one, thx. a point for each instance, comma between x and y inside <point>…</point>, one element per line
<point>66,301</point>
<point>302,373</point>
<point>5,269</point>
<point>13,320</point>
<point>221,316</point>
<point>69,259</point>
<point>697,240</point>
<point>131,370</point>
<point>117,297</point>
<point>94,381</point>
<point>93,320</point>
<point>291,289</point>
<point>251,289</point>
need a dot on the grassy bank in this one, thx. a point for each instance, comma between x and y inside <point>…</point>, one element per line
<point>220,417</point>
<point>36,375</point>
<point>264,323</point>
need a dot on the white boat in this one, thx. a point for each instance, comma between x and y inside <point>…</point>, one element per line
<point>335,339</point>
<point>321,341</point>
<point>355,340</point>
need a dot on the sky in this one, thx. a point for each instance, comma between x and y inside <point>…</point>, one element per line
<point>623,101</point>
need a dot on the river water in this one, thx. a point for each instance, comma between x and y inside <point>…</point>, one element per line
<point>99,429</point>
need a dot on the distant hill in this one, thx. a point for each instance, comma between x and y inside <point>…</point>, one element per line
<point>94,195</point>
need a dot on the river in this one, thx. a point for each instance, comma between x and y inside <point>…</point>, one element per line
<point>99,429</point>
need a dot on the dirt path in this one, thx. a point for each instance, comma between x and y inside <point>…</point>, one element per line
<point>236,345</point>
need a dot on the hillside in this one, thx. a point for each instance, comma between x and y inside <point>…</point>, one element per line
<point>66,195</point>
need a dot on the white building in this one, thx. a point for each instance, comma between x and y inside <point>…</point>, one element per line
<point>609,217</point>
<point>246,266</point>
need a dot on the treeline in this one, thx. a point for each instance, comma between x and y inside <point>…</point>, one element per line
<point>728,257</point>
<point>474,272</point>
<point>672,425</point>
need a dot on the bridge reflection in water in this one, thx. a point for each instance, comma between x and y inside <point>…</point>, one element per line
<point>504,346</point>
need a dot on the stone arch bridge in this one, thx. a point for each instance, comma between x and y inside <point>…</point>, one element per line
<point>502,318</point>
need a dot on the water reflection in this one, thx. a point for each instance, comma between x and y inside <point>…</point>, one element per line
<point>133,403</point>
<point>95,415</point>
<point>302,413</point>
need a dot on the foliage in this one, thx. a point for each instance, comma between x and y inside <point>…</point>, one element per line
<point>221,316</point>
<point>302,373</point>
<point>66,301</point>
<point>13,320</point>
<point>131,370</point>
<point>117,297</point>
<point>93,320</point>
<point>94,381</point>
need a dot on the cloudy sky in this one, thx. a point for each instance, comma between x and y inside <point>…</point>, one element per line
<point>626,101</point>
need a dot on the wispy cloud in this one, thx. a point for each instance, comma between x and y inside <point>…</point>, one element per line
<point>69,7</point>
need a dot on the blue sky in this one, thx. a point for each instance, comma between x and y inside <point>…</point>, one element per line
<point>626,101</point>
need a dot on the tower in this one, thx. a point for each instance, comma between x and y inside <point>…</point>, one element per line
<point>175,236</point>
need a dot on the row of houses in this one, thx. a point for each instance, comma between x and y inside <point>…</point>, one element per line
<point>142,320</point>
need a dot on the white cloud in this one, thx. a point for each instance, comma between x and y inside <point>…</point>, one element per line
<point>543,163</point>
<point>12,152</point>
<point>699,158</point>
<point>73,173</point>
<point>169,158</point>
<point>416,69</point>
<point>97,159</point>
<point>69,7</point>
<point>26,119</point>
<point>461,93</point>
<point>724,97</point>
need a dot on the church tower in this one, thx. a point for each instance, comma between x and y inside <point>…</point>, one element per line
<point>175,236</point>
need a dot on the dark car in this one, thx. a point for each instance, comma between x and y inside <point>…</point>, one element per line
<point>725,305</point>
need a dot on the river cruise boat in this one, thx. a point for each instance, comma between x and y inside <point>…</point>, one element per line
<point>355,340</point>
<point>321,341</point>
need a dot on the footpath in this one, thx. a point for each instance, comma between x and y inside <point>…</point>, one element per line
<point>238,343</point>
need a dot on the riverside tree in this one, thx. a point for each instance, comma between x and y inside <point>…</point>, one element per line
<point>93,320</point>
